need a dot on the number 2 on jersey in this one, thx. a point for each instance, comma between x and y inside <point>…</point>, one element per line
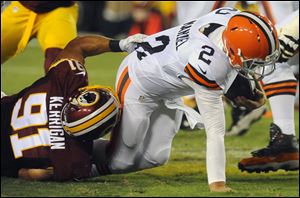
<point>207,51</point>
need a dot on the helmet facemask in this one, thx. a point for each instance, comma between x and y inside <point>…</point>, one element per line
<point>256,67</point>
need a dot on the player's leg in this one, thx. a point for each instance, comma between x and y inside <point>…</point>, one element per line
<point>283,149</point>
<point>164,124</point>
<point>126,142</point>
<point>54,30</point>
<point>16,25</point>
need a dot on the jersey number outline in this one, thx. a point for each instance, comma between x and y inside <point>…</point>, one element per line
<point>29,119</point>
<point>165,40</point>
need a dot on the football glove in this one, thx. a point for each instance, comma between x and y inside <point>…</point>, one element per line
<point>129,44</point>
<point>288,47</point>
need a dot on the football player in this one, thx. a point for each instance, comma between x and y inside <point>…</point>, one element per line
<point>282,151</point>
<point>22,21</point>
<point>34,144</point>
<point>242,118</point>
<point>201,57</point>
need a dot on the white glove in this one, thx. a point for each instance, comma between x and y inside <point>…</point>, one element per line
<point>129,44</point>
<point>288,47</point>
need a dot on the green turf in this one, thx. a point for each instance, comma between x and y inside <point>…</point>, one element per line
<point>183,175</point>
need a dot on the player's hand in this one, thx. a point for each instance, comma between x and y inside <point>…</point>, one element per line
<point>219,187</point>
<point>288,47</point>
<point>36,174</point>
<point>259,101</point>
<point>251,104</point>
<point>129,44</point>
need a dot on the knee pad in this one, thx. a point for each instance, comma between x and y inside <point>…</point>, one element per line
<point>158,158</point>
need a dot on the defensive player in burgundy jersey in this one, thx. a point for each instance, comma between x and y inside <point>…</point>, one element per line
<point>34,144</point>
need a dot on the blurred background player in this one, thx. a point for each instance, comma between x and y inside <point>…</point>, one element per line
<point>276,11</point>
<point>150,17</point>
<point>280,87</point>
<point>53,23</point>
<point>34,144</point>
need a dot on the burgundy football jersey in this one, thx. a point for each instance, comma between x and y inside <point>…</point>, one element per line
<point>31,130</point>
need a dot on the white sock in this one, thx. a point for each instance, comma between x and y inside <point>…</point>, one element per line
<point>282,107</point>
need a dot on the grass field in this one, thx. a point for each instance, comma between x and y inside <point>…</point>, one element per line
<point>183,175</point>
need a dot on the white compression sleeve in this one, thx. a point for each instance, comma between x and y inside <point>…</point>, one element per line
<point>211,108</point>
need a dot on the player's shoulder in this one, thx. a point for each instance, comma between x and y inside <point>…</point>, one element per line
<point>206,53</point>
<point>66,67</point>
<point>67,62</point>
<point>208,65</point>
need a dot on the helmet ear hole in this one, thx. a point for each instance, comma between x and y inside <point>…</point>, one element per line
<point>258,38</point>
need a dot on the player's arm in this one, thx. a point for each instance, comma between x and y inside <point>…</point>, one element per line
<point>82,47</point>
<point>36,174</point>
<point>211,108</point>
<point>243,93</point>
<point>208,94</point>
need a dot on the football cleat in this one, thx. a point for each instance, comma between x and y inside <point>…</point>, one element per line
<point>242,119</point>
<point>91,113</point>
<point>281,153</point>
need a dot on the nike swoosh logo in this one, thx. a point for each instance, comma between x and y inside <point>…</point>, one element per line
<point>204,72</point>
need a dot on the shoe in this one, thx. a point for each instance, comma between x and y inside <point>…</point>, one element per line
<point>281,153</point>
<point>243,119</point>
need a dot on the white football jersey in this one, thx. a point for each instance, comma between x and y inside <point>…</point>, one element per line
<point>184,50</point>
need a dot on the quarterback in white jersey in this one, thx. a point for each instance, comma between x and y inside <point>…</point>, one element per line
<point>187,59</point>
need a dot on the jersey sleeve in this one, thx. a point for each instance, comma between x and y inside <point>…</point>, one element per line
<point>199,71</point>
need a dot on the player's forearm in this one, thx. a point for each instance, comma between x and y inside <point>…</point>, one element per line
<point>211,108</point>
<point>95,45</point>
<point>82,47</point>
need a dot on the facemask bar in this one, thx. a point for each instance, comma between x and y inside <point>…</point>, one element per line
<point>257,68</point>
